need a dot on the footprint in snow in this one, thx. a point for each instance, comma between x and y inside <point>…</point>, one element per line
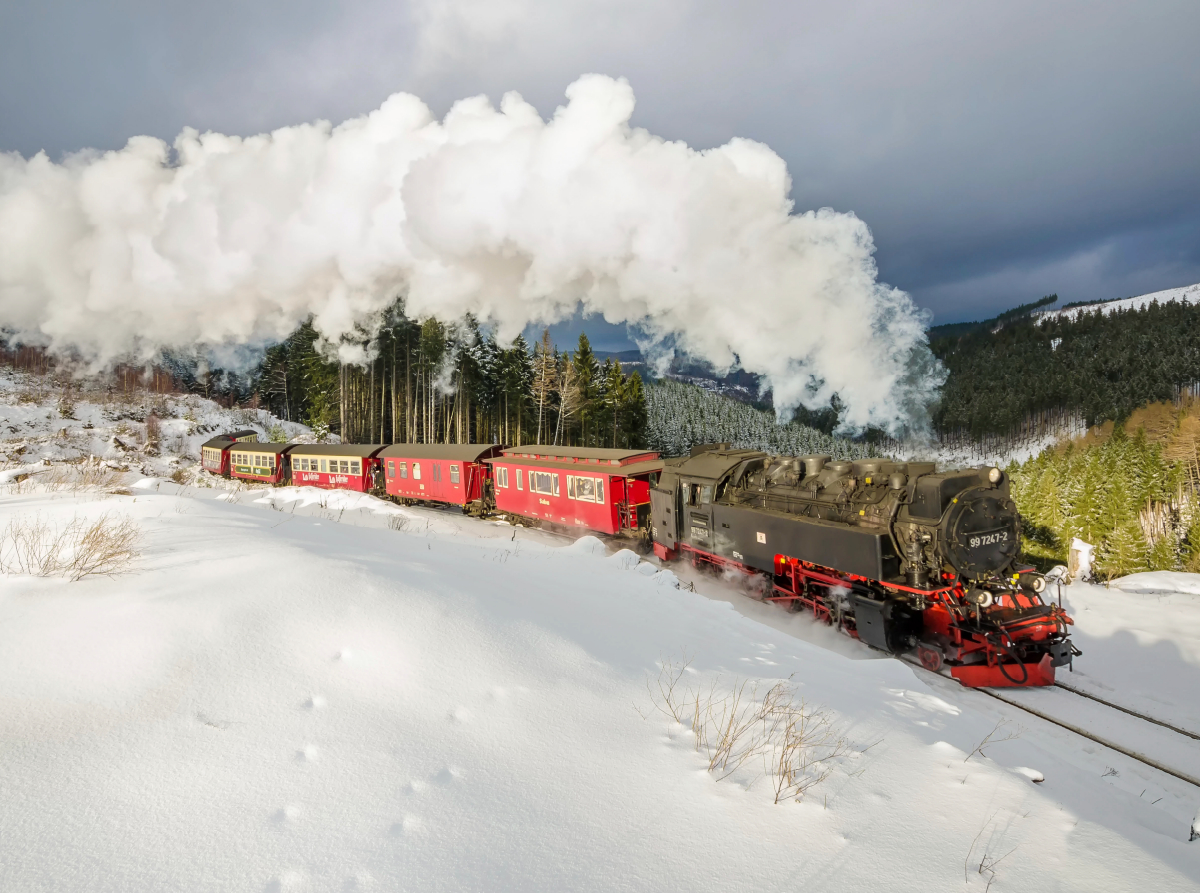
<point>315,702</point>
<point>416,786</point>
<point>448,775</point>
<point>344,655</point>
<point>288,882</point>
<point>409,825</point>
<point>460,714</point>
<point>288,813</point>
<point>360,880</point>
<point>308,754</point>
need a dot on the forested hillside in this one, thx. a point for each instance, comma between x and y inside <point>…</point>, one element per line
<point>681,415</point>
<point>1092,365</point>
<point>1132,490</point>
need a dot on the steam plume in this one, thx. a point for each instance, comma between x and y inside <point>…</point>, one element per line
<point>236,240</point>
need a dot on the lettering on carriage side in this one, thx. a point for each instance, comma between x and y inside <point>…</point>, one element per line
<point>544,501</point>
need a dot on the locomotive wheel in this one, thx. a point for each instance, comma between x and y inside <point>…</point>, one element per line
<point>930,657</point>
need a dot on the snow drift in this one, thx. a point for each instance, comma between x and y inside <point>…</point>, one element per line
<point>226,240</point>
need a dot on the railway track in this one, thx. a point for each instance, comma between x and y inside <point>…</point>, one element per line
<point>1151,719</point>
<point>1077,729</point>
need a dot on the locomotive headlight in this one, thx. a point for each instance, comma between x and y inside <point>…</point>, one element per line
<point>980,597</point>
<point>994,475</point>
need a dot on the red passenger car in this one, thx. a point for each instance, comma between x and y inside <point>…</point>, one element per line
<point>594,489</point>
<point>214,454</point>
<point>343,466</point>
<point>454,473</point>
<point>263,462</point>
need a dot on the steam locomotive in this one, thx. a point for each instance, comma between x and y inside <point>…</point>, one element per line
<point>896,554</point>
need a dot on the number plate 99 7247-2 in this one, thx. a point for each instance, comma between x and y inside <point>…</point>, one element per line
<point>988,538</point>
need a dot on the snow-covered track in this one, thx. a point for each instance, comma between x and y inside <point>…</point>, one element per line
<point>1157,722</point>
<point>1105,740</point>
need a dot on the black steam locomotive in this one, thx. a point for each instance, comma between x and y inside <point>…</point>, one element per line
<point>897,554</point>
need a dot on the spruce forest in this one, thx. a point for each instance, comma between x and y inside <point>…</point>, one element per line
<point>1026,374</point>
<point>428,382</point>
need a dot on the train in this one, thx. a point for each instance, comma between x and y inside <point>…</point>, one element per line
<point>909,560</point>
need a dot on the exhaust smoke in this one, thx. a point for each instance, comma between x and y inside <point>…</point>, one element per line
<point>223,240</point>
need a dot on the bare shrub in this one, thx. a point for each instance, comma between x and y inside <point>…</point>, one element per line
<point>994,737</point>
<point>66,402</point>
<point>81,548</point>
<point>181,476</point>
<point>397,522</point>
<point>776,734</point>
<point>153,430</point>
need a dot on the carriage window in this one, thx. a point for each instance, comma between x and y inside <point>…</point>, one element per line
<point>570,486</point>
<point>404,469</point>
<point>355,467</point>
<point>585,489</point>
<point>600,490</point>
<point>391,468</point>
<point>270,461</point>
<point>416,471</point>
<point>454,474</point>
<point>437,471</point>
<point>520,483</point>
<point>314,462</point>
<point>345,465</point>
<point>542,482</point>
<point>555,485</point>
<point>502,477</point>
<point>706,495</point>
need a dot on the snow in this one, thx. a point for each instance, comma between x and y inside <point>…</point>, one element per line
<point>298,689</point>
<point>1186,294</point>
<point>1140,638</point>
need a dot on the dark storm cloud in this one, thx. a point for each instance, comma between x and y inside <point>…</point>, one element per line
<point>999,151</point>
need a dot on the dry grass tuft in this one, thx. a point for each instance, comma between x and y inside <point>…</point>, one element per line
<point>34,546</point>
<point>776,735</point>
<point>85,475</point>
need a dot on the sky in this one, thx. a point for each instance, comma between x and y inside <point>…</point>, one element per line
<point>998,151</point>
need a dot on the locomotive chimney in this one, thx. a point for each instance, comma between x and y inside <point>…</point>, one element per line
<point>813,464</point>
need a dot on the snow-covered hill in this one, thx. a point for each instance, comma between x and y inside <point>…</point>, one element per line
<point>44,424</point>
<point>1188,294</point>
<point>300,690</point>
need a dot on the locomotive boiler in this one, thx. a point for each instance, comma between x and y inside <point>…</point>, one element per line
<point>897,554</point>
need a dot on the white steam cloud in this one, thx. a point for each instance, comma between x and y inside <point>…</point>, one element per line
<point>237,240</point>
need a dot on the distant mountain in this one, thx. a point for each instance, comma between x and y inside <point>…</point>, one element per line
<point>1187,294</point>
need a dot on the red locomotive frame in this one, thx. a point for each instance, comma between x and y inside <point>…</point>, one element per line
<point>974,656</point>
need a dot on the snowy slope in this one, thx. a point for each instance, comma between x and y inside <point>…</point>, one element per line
<point>38,430</point>
<point>292,698</point>
<point>1187,293</point>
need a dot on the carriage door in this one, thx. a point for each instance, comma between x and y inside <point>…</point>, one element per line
<point>664,509</point>
<point>698,513</point>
